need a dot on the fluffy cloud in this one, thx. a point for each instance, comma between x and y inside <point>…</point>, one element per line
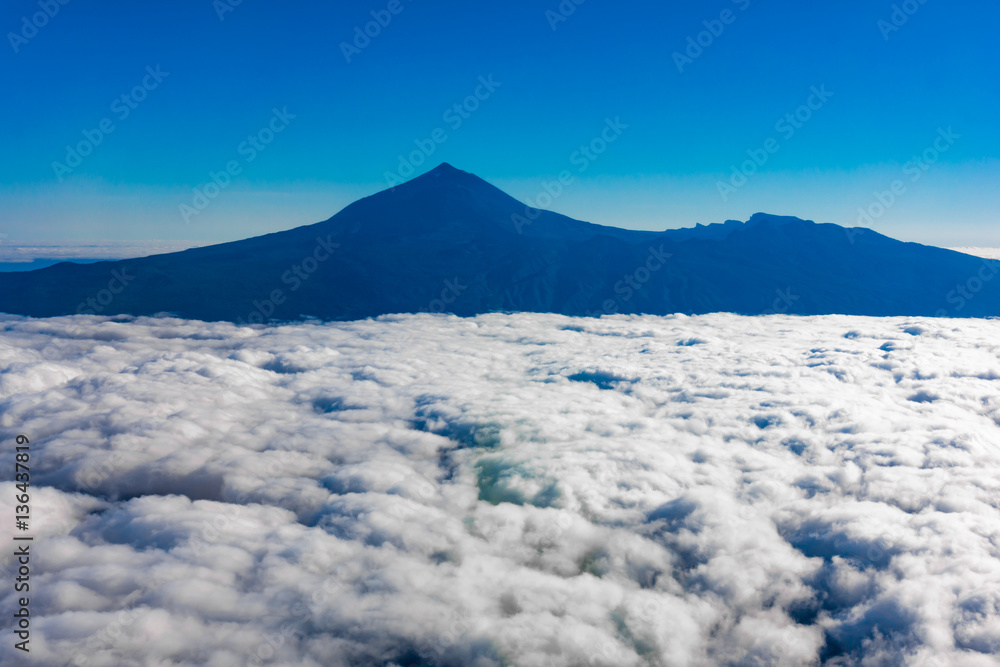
<point>509,490</point>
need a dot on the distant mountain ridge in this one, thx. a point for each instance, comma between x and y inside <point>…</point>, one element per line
<point>447,241</point>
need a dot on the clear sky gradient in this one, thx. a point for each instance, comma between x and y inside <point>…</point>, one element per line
<point>212,75</point>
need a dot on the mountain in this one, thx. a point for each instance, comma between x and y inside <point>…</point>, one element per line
<point>449,241</point>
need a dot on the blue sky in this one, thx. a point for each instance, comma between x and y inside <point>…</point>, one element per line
<point>212,75</point>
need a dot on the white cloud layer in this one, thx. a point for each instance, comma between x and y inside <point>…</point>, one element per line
<point>988,253</point>
<point>28,251</point>
<point>508,490</point>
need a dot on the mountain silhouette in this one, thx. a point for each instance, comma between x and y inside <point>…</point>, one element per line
<point>447,241</point>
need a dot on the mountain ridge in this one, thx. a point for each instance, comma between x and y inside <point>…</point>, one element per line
<point>448,241</point>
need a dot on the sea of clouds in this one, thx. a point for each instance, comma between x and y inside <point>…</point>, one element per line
<point>506,490</point>
<point>12,252</point>
<point>988,253</point>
